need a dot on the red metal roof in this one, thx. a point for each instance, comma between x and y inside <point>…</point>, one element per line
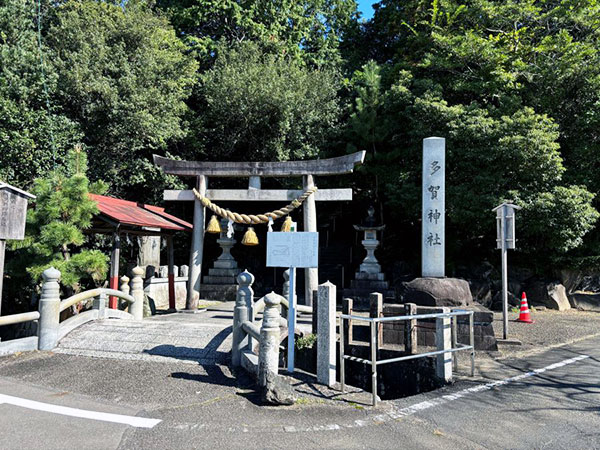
<point>139,214</point>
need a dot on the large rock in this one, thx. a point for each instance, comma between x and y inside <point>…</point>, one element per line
<point>552,295</point>
<point>585,301</point>
<point>496,304</point>
<point>277,391</point>
<point>438,292</point>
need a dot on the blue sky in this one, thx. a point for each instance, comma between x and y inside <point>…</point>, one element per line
<point>364,6</point>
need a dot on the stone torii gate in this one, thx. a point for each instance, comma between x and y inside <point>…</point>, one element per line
<point>254,171</point>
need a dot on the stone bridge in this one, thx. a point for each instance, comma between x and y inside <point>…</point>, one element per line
<point>204,337</point>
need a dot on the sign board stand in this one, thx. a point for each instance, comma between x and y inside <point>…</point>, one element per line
<point>505,239</point>
<point>292,250</point>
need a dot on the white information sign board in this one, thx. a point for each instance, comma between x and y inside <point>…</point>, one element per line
<point>293,249</point>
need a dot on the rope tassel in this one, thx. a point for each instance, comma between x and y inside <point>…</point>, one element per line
<point>213,225</point>
<point>250,237</point>
<point>287,225</point>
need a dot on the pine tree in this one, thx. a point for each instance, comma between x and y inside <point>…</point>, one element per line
<point>55,226</point>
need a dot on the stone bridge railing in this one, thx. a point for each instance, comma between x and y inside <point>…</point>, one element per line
<point>246,331</point>
<point>51,330</point>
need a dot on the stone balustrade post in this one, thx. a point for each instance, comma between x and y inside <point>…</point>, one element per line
<point>268,350</point>
<point>124,284</point>
<point>49,308</point>
<point>326,334</point>
<point>136,309</point>
<point>240,315</point>
<point>443,341</point>
<point>286,292</point>
<point>99,303</point>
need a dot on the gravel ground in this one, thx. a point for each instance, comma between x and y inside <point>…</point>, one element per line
<point>550,329</point>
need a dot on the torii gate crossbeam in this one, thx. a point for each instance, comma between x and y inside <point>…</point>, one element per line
<point>254,171</point>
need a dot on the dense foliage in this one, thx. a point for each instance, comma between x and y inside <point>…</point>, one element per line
<point>513,86</point>
<point>32,136</point>
<point>265,107</point>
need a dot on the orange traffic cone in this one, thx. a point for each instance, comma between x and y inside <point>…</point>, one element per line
<point>524,315</point>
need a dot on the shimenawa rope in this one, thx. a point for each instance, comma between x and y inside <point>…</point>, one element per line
<point>252,219</point>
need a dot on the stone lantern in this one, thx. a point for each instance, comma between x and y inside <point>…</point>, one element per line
<point>370,268</point>
<point>369,277</point>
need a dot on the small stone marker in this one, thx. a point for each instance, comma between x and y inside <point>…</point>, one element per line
<point>326,334</point>
<point>434,207</point>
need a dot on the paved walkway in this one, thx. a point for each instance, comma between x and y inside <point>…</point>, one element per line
<point>546,401</point>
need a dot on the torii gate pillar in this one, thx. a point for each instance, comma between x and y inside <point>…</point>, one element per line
<point>197,250</point>
<point>311,279</point>
<point>254,171</point>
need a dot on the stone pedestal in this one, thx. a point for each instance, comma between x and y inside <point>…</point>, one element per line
<point>220,283</point>
<point>431,291</point>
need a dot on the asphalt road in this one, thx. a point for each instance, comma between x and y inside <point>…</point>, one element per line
<point>206,407</point>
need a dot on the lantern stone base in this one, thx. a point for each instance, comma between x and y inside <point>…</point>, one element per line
<point>218,292</point>
<point>363,285</point>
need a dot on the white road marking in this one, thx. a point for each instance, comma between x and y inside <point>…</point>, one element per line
<point>139,422</point>
<point>482,387</point>
<point>417,407</point>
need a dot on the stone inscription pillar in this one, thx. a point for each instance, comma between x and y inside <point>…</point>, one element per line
<point>434,207</point>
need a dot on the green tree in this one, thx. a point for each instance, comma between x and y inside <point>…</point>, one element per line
<point>492,78</point>
<point>124,77</point>
<point>27,127</point>
<point>63,210</point>
<point>306,30</point>
<point>259,106</point>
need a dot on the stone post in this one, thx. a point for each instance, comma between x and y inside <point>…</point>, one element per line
<point>49,310</point>
<point>326,334</point>
<point>136,309</point>
<point>443,341</point>
<point>347,309</point>
<point>240,315</point>
<point>268,350</point>
<point>99,303</point>
<point>376,310</point>
<point>410,329</point>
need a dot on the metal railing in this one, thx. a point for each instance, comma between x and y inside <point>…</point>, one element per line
<point>374,321</point>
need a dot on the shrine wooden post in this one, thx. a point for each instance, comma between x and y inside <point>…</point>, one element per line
<point>254,171</point>
<point>13,213</point>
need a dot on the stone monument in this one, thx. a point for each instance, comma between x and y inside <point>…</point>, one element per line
<point>220,283</point>
<point>434,207</point>
<point>434,289</point>
<point>369,277</point>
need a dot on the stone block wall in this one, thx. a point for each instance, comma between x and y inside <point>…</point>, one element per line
<point>394,332</point>
<point>156,287</point>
